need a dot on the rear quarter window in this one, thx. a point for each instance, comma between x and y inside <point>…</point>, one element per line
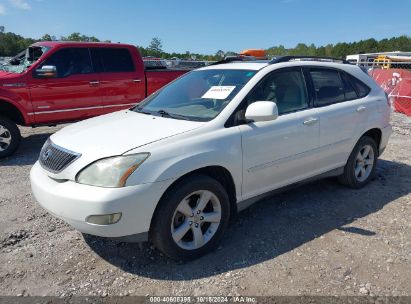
<point>361,88</point>
<point>349,91</point>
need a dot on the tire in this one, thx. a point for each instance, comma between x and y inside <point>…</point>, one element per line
<point>194,190</point>
<point>352,176</point>
<point>9,137</point>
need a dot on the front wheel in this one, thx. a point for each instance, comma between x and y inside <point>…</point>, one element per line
<point>361,164</point>
<point>9,137</point>
<point>191,218</point>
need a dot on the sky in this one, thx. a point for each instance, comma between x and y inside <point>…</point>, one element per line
<point>208,26</point>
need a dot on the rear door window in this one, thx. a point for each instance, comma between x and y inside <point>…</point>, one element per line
<point>328,87</point>
<point>112,60</point>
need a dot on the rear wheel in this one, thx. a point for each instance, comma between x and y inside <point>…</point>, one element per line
<point>360,167</point>
<point>9,137</point>
<point>191,218</point>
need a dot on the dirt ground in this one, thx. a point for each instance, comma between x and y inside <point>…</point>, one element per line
<point>319,239</point>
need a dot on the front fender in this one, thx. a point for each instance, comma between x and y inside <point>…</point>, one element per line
<point>19,98</point>
<point>171,163</point>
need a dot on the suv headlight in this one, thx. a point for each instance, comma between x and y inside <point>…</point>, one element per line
<point>111,172</point>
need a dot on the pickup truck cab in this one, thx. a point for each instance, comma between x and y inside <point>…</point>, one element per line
<point>219,139</point>
<point>57,82</point>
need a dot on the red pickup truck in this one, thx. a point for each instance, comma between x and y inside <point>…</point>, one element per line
<point>57,82</point>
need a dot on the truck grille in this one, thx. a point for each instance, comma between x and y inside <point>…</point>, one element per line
<point>54,158</point>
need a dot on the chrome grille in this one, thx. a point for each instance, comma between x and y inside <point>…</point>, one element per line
<point>54,158</point>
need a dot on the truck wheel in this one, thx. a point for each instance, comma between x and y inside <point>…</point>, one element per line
<point>191,218</point>
<point>361,164</point>
<point>9,137</point>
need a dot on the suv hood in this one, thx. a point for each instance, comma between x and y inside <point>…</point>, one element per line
<point>116,133</point>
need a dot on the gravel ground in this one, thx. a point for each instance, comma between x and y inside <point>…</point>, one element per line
<point>319,239</point>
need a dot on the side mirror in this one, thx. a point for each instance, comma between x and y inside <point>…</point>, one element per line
<point>261,111</point>
<point>47,71</point>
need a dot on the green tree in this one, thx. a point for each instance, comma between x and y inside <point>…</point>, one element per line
<point>46,37</point>
<point>155,45</point>
<point>79,37</point>
<point>74,37</point>
<point>220,54</point>
<point>11,43</point>
<point>231,53</point>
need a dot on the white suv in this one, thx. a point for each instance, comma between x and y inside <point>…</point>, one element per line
<point>173,169</point>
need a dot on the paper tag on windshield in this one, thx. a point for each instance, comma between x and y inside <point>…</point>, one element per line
<point>218,92</point>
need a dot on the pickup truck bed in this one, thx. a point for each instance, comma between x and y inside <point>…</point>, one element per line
<point>156,79</point>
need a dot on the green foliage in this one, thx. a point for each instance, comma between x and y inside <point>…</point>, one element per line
<point>11,44</point>
<point>79,37</point>
<point>220,54</point>
<point>47,37</point>
<point>145,52</point>
<point>155,47</point>
<point>342,49</point>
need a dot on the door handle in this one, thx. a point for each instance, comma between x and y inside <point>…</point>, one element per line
<point>136,80</point>
<point>311,121</point>
<point>361,109</point>
<point>94,83</point>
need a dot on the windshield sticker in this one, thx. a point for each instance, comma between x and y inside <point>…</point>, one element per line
<point>218,92</point>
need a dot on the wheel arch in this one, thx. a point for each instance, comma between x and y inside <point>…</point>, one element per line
<point>12,111</point>
<point>217,172</point>
<point>374,133</point>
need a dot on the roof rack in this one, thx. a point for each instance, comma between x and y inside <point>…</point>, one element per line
<point>280,59</point>
<point>287,58</point>
<point>234,58</point>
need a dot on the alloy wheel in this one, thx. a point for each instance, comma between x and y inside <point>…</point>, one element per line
<point>196,220</point>
<point>5,138</point>
<point>364,163</point>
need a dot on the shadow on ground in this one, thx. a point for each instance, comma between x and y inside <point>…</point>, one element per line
<point>28,151</point>
<point>271,227</point>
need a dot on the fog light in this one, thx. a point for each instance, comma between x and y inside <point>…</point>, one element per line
<point>104,219</point>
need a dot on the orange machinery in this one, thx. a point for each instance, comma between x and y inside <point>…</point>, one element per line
<point>257,54</point>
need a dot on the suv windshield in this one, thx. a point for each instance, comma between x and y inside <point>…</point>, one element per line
<point>23,60</point>
<point>199,95</point>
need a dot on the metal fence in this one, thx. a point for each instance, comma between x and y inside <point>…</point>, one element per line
<point>385,65</point>
<point>395,79</point>
<point>175,64</point>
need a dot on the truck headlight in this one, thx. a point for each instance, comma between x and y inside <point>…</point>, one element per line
<point>111,172</point>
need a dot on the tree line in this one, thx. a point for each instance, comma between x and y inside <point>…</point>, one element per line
<point>11,44</point>
<point>342,49</point>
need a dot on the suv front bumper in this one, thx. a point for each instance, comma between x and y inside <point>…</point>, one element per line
<point>73,203</point>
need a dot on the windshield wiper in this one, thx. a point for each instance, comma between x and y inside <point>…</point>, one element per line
<point>139,109</point>
<point>164,113</point>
